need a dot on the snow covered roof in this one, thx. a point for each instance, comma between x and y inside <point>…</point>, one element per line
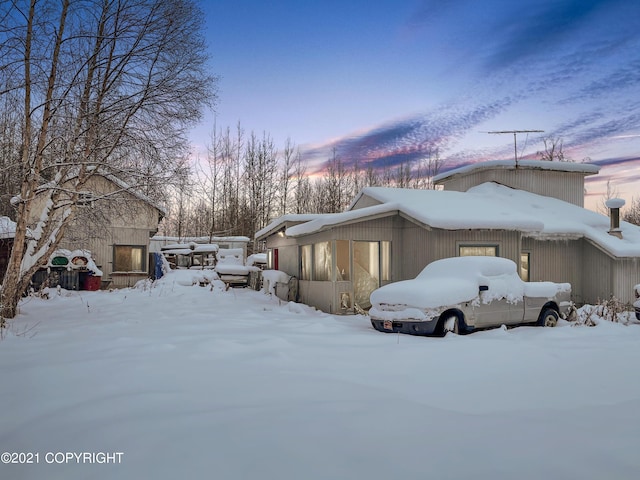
<point>284,220</point>
<point>7,228</point>
<point>487,206</point>
<point>565,220</point>
<point>448,210</point>
<point>584,168</point>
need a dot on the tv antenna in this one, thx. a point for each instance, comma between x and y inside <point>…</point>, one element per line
<point>515,141</point>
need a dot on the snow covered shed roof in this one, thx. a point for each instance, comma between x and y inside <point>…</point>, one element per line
<point>486,206</point>
<point>584,168</point>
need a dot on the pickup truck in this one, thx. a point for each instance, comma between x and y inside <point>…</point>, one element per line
<point>464,294</point>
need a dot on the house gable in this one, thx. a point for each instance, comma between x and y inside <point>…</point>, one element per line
<point>561,180</point>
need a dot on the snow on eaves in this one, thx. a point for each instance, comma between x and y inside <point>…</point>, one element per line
<point>447,210</point>
<point>284,220</point>
<point>586,168</point>
<point>487,206</point>
<point>565,220</point>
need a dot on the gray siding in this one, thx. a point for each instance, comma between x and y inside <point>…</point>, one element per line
<point>557,261</point>
<point>626,274</point>
<point>597,274</point>
<point>567,186</point>
<point>421,247</point>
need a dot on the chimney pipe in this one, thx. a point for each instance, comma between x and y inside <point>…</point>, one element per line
<point>614,205</point>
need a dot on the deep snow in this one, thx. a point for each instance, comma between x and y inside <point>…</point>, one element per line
<point>197,382</point>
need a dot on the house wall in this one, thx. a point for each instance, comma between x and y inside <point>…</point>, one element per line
<point>606,276</point>
<point>625,275</point>
<point>557,261</point>
<point>567,186</point>
<point>421,246</point>
<point>325,294</point>
<point>412,247</point>
<point>597,274</point>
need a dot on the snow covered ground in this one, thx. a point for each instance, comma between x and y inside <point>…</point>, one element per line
<point>186,381</point>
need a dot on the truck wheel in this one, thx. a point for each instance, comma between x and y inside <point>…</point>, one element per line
<point>452,323</point>
<point>548,318</point>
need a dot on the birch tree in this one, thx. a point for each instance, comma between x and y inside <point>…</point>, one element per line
<point>107,87</point>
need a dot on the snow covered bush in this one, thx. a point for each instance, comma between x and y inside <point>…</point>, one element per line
<point>611,310</point>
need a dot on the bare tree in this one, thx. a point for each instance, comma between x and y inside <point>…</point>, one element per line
<point>612,192</point>
<point>427,169</point>
<point>632,212</point>
<point>107,87</point>
<point>290,155</point>
<point>333,195</point>
<point>553,150</point>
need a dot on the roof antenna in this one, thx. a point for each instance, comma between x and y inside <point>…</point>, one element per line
<point>515,142</point>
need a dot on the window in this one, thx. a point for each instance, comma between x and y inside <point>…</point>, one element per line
<point>524,266</point>
<point>478,250</point>
<point>343,261</point>
<point>385,261</point>
<point>129,258</point>
<point>322,261</point>
<point>305,262</point>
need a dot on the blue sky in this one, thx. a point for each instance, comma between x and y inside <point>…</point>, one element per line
<point>383,81</point>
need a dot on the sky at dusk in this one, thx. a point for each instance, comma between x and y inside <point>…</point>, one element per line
<point>382,82</point>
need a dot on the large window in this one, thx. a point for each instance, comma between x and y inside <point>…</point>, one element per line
<point>478,250</point>
<point>129,258</point>
<point>305,262</point>
<point>322,261</point>
<point>385,261</point>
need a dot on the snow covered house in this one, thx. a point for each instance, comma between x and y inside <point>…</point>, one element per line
<point>531,212</point>
<point>114,222</point>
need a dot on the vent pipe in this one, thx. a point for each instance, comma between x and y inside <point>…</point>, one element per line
<point>614,205</point>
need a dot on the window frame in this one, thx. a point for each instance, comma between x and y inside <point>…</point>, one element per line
<point>143,260</point>
<point>478,245</point>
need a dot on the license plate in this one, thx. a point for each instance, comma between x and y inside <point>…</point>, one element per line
<point>387,325</point>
